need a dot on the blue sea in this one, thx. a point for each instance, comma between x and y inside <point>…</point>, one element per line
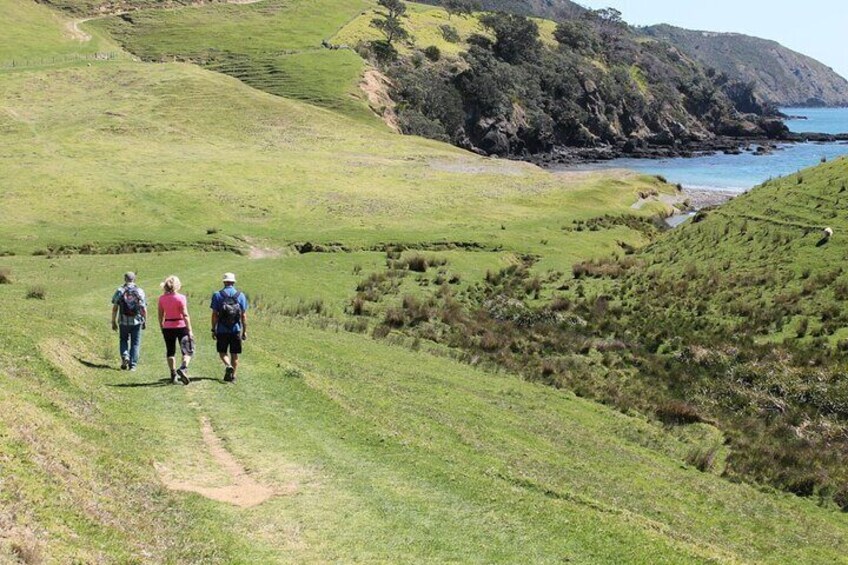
<point>739,173</point>
<point>818,120</point>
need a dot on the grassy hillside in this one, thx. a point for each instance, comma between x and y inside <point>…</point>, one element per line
<point>143,154</point>
<point>425,25</point>
<point>35,35</point>
<point>375,446</point>
<point>376,452</point>
<point>786,273</point>
<point>275,46</point>
<point>739,318</point>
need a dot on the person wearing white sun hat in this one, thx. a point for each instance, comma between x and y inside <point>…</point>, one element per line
<point>229,324</point>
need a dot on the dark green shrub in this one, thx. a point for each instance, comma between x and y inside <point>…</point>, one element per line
<point>450,33</point>
<point>433,53</point>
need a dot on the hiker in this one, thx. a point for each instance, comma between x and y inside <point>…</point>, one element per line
<point>129,317</point>
<point>229,324</point>
<point>176,328</point>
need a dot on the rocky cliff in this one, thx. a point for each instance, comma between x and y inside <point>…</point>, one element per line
<point>780,76</point>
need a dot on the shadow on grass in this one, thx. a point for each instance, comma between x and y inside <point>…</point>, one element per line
<point>93,365</point>
<point>163,382</point>
<point>160,382</point>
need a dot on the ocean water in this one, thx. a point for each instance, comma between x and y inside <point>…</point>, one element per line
<point>819,120</point>
<point>739,173</point>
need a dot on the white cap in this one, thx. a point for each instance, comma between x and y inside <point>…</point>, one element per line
<point>229,277</point>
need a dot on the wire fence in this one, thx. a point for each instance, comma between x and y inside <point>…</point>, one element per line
<point>28,62</point>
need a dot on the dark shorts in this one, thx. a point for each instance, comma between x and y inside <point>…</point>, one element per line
<point>229,341</point>
<point>172,337</point>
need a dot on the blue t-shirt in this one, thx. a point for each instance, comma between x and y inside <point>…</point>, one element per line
<point>218,301</point>
<point>129,320</point>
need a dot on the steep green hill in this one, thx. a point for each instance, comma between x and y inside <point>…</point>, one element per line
<point>741,316</point>
<point>781,76</point>
<point>275,46</point>
<point>345,438</point>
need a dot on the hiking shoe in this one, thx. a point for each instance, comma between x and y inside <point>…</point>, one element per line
<point>182,375</point>
<point>132,368</point>
<point>229,375</point>
<point>125,363</point>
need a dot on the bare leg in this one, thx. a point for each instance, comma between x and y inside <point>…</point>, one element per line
<point>225,359</point>
<point>186,360</point>
<point>235,363</point>
<point>172,364</point>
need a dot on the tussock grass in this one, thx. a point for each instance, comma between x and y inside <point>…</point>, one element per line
<point>38,292</point>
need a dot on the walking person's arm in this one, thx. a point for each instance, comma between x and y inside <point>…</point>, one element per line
<point>214,324</point>
<point>244,326</point>
<point>114,317</point>
<point>161,316</point>
<point>144,318</point>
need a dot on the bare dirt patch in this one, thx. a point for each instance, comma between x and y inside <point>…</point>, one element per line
<point>376,87</point>
<point>255,252</point>
<point>243,491</point>
<point>73,29</point>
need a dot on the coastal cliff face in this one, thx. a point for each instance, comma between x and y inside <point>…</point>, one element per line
<point>780,76</point>
<point>595,89</point>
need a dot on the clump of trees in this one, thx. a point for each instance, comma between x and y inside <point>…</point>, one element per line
<point>512,95</point>
<point>390,22</point>
<point>460,7</point>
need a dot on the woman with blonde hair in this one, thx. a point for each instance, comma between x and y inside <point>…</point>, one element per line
<point>176,328</point>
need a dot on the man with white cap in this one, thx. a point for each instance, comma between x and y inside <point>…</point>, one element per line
<point>229,324</point>
<point>129,315</point>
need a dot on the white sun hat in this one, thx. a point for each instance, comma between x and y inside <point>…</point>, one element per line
<point>229,277</point>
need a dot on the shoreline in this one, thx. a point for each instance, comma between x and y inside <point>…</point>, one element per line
<point>700,198</point>
<point>572,156</point>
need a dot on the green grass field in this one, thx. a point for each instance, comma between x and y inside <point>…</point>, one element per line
<point>274,46</point>
<point>34,35</point>
<point>379,453</point>
<point>377,450</point>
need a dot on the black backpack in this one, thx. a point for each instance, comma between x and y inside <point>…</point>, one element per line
<point>229,311</point>
<point>130,302</point>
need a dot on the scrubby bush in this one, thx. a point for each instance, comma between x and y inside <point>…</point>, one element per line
<point>5,275</point>
<point>417,263</point>
<point>703,458</point>
<point>393,318</point>
<point>677,412</point>
<point>36,292</point>
<point>433,53</point>
<point>450,33</point>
